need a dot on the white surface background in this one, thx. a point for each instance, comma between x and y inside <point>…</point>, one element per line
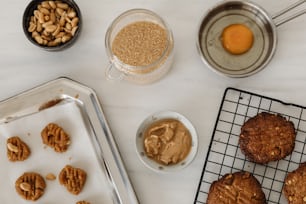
<point>190,88</point>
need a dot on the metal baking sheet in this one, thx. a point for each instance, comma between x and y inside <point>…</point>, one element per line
<point>224,155</point>
<point>63,100</point>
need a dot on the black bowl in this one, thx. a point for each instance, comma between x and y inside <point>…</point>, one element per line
<point>29,11</point>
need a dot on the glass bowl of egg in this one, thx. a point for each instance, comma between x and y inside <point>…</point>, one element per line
<point>166,141</point>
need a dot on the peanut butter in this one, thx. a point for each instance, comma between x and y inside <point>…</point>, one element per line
<point>167,141</point>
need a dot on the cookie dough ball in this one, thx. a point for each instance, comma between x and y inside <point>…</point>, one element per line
<point>73,179</point>
<point>30,186</point>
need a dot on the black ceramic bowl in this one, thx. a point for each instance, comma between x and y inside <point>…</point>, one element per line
<point>29,11</point>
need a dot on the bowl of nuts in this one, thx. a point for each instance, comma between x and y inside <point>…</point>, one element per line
<point>52,25</point>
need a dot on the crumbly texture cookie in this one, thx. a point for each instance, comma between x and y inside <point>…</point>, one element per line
<point>17,150</point>
<point>267,137</point>
<point>236,188</point>
<point>55,137</point>
<point>73,179</point>
<point>83,202</point>
<point>30,186</point>
<point>294,187</point>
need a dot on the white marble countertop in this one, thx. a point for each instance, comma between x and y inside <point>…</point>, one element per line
<point>190,88</point>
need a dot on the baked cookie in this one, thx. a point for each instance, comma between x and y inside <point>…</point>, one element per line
<point>83,202</point>
<point>267,137</point>
<point>294,187</point>
<point>30,186</point>
<point>236,188</point>
<point>17,150</point>
<point>73,179</point>
<point>54,136</point>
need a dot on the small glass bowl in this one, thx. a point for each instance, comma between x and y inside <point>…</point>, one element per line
<point>150,163</point>
<point>143,74</point>
<point>29,11</point>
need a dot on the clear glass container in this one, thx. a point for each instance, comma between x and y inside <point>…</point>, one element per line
<point>118,70</point>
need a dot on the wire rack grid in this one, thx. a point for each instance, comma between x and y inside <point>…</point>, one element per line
<point>224,155</point>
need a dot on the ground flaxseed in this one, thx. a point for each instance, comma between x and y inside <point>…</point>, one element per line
<point>140,43</point>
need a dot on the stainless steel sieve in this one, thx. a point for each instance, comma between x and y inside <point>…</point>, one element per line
<point>257,19</point>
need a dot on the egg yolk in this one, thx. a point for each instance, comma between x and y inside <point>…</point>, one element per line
<point>237,39</point>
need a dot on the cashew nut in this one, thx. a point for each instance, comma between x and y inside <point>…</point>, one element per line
<point>25,186</point>
<point>12,147</point>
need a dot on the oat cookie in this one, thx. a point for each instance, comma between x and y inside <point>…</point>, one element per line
<point>17,150</point>
<point>267,137</point>
<point>30,186</point>
<point>236,188</point>
<point>295,185</point>
<point>83,202</point>
<point>73,179</point>
<point>54,136</point>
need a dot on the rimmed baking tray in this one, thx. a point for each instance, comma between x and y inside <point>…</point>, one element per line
<point>224,155</point>
<point>93,146</point>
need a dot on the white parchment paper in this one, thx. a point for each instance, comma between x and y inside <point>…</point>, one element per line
<point>44,160</point>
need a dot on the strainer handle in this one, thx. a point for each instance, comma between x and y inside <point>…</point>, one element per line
<point>286,10</point>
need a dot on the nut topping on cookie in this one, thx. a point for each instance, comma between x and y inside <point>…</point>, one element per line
<point>25,186</point>
<point>12,147</point>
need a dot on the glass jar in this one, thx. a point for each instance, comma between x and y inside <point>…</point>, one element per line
<point>138,72</point>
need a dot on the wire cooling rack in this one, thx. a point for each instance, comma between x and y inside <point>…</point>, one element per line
<point>224,155</point>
